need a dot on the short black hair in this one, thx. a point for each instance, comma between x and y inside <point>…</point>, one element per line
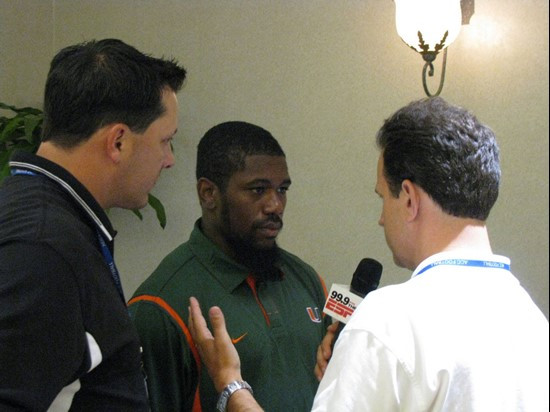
<point>95,83</point>
<point>447,152</point>
<point>223,149</point>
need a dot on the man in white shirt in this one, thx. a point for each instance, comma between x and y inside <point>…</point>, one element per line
<point>461,334</point>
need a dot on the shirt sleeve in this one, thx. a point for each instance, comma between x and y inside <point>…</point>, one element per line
<point>42,337</point>
<point>363,375</point>
<point>170,368</point>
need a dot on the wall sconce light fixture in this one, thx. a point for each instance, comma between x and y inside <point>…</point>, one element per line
<point>430,26</point>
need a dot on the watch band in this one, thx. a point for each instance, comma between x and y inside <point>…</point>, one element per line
<point>230,390</point>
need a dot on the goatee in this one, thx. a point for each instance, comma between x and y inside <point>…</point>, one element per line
<point>263,263</point>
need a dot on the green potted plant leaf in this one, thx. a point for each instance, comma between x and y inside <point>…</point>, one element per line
<point>22,131</point>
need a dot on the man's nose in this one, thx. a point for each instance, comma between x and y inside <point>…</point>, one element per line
<point>274,203</point>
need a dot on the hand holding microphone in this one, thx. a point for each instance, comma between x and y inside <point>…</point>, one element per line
<point>342,300</point>
<point>341,304</point>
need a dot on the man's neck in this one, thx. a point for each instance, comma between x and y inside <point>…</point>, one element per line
<point>453,234</point>
<point>82,163</point>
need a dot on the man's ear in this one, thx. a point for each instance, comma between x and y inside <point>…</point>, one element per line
<point>208,193</point>
<point>116,137</point>
<point>411,198</point>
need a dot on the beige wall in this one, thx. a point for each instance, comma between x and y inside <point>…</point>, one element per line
<point>321,76</point>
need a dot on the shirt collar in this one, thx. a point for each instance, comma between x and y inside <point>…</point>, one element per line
<point>81,195</point>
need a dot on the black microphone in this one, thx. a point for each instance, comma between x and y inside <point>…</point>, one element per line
<point>365,279</point>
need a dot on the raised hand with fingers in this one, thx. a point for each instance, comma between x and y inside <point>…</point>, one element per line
<point>220,357</point>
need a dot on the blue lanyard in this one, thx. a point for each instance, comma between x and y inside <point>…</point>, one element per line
<point>111,263</point>
<point>23,172</point>
<point>105,251</point>
<point>466,262</point>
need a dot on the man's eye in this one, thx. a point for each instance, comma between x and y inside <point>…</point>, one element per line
<point>283,190</point>
<point>258,190</point>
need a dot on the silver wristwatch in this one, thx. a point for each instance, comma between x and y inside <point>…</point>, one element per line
<point>230,390</point>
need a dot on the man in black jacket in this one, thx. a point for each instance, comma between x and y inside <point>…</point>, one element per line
<point>66,340</point>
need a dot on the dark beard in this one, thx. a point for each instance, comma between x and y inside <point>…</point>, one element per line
<point>261,262</point>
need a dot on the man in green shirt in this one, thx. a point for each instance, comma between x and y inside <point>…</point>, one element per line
<point>272,300</point>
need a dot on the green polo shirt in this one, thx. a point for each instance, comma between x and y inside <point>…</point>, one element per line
<point>277,326</point>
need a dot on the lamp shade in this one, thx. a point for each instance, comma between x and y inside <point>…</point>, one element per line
<point>428,26</point>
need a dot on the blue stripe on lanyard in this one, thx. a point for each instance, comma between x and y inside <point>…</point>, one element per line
<point>111,263</point>
<point>467,262</point>
<point>107,256</point>
<point>23,172</point>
